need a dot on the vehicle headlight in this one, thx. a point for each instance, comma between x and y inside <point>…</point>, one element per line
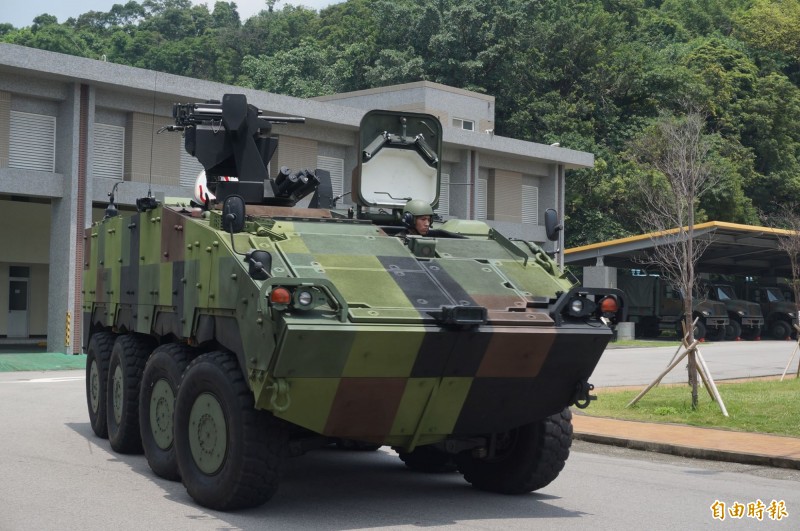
<point>741,313</point>
<point>706,313</point>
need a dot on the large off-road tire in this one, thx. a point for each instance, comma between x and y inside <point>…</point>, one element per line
<point>780,329</point>
<point>700,330</point>
<point>125,369</point>
<point>648,328</point>
<point>97,357</point>
<point>357,446</point>
<point>229,454</point>
<point>733,330</point>
<point>160,381</point>
<point>428,459</point>
<point>527,458</point>
<point>716,334</point>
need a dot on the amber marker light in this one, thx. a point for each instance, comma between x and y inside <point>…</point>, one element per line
<point>609,305</point>
<point>280,296</point>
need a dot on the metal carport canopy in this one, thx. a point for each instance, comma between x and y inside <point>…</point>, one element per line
<point>734,250</point>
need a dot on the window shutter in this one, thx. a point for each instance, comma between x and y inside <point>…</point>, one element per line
<point>109,151</point>
<point>336,168</point>
<point>190,169</point>
<point>530,203</point>
<point>32,142</point>
<point>444,196</point>
<point>480,200</point>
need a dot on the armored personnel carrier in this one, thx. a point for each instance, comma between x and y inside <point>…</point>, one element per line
<point>224,337</point>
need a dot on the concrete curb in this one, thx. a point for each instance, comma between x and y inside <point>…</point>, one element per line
<point>688,451</point>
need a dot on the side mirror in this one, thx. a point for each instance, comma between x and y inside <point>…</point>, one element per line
<point>260,264</point>
<point>551,225</point>
<point>233,214</point>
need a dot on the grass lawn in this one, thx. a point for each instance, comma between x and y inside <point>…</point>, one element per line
<point>755,406</point>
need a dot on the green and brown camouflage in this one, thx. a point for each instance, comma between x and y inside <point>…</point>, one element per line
<point>345,330</point>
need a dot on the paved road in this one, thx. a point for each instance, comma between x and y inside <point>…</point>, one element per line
<point>725,360</point>
<point>57,475</point>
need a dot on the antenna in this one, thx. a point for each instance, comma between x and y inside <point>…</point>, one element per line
<point>152,135</point>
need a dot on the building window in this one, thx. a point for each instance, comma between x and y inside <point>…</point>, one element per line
<point>109,151</point>
<point>530,204</point>
<point>461,123</point>
<point>32,143</point>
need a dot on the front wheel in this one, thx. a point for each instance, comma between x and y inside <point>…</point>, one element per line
<point>780,329</point>
<point>733,330</point>
<point>527,458</point>
<point>229,454</point>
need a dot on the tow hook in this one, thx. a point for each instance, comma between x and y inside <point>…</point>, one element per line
<point>582,398</point>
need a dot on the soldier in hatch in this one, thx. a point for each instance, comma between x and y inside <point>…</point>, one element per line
<point>417,218</point>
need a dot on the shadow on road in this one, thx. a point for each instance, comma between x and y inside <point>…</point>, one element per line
<point>338,489</point>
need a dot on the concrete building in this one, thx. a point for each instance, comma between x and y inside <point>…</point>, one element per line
<point>71,128</point>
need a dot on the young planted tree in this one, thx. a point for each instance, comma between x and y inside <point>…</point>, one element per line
<point>677,153</point>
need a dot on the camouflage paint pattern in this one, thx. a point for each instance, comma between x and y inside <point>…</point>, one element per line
<point>370,362</point>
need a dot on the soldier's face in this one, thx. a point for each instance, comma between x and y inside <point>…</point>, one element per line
<point>422,224</point>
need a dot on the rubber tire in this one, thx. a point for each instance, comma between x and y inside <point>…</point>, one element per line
<point>733,330</point>
<point>167,364</point>
<point>428,459</point>
<point>780,329</point>
<point>648,328</point>
<point>98,354</point>
<point>700,330</point>
<point>357,446</point>
<point>536,455</point>
<point>129,354</point>
<point>716,334</point>
<point>256,442</point>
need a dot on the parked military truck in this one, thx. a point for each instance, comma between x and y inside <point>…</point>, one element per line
<point>655,307</point>
<point>745,318</point>
<point>223,338</point>
<point>779,312</point>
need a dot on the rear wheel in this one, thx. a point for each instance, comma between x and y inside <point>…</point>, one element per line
<point>160,381</point>
<point>97,357</point>
<point>527,458</point>
<point>229,454</point>
<point>125,368</point>
<point>428,459</point>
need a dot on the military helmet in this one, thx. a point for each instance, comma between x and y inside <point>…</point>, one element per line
<point>418,207</point>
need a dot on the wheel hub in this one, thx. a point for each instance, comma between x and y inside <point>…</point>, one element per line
<point>162,408</point>
<point>94,386</point>
<point>208,433</point>
<point>116,394</point>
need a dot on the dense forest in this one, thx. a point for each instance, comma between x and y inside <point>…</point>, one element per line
<point>590,74</point>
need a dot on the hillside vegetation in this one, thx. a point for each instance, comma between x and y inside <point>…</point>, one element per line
<point>590,74</point>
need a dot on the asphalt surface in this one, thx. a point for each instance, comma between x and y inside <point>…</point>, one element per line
<point>640,366</point>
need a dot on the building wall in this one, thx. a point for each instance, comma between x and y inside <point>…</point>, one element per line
<point>53,85</point>
<point>29,246</point>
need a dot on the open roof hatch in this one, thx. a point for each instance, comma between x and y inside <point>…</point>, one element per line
<point>399,159</point>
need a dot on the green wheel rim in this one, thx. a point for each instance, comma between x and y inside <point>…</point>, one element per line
<point>208,433</point>
<point>94,386</point>
<point>116,393</point>
<point>162,408</point>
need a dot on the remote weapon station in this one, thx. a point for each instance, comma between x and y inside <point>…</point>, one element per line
<point>223,338</point>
